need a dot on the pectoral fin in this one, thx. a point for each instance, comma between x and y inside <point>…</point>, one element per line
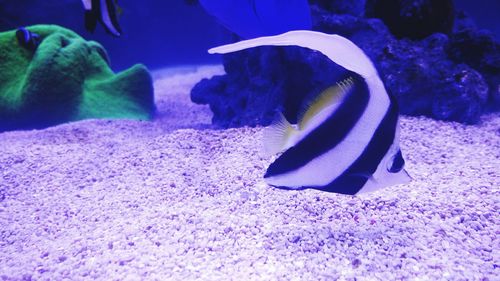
<point>277,136</point>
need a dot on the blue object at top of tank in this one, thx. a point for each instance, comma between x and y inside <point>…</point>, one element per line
<point>256,18</point>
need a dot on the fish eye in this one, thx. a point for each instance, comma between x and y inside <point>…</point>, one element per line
<point>397,163</point>
<point>27,39</point>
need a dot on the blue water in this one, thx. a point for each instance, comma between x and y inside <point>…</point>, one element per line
<point>162,33</point>
<point>157,33</point>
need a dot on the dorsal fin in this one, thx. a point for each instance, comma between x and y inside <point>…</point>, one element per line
<point>277,136</point>
<point>328,97</point>
<point>337,48</point>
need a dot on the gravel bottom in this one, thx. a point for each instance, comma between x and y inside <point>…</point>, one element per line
<point>175,199</point>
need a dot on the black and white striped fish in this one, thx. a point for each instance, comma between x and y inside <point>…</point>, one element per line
<point>104,11</point>
<point>347,140</point>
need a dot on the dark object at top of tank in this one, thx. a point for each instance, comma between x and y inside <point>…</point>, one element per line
<point>414,19</point>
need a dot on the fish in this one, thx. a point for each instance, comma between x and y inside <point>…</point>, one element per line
<point>27,39</point>
<point>105,12</point>
<point>346,141</point>
<point>256,18</point>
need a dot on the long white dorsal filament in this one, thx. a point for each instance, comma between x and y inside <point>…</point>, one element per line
<point>337,48</point>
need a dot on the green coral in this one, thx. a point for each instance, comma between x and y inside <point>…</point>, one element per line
<point>66,79</point>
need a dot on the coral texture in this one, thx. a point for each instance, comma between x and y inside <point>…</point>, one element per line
<point>66,79</point>
<point>447,77</point>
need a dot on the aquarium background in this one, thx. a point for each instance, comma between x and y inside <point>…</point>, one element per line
<point>177,198</point>
<point>162,33</point>
<point>157,33</point>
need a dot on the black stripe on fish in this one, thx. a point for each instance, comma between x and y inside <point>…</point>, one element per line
<point>113,17</point>
<point>91,18</point>
<point>96,14</point>
<point>93,15</point>
<point>355,177</point>
<point>327,135</point>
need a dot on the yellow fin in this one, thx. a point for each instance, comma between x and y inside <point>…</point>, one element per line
<point>328,97</point>
<point>277,136</point>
